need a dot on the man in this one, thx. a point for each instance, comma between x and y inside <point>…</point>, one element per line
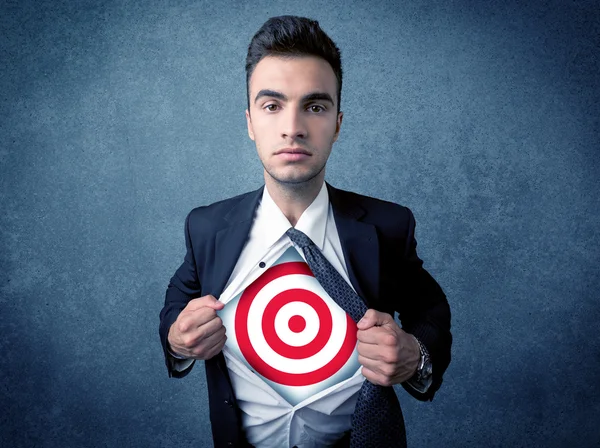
<point>294,81</point>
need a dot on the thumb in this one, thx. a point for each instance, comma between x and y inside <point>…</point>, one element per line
<point>213,303</point>
<point>206,301</point>
<point>373,318</point>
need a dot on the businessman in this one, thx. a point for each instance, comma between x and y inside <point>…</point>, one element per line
<point>361,249</point>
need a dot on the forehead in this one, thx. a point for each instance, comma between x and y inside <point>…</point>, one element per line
<point>299,75</point>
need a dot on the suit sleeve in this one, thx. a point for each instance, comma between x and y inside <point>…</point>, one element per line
<point>183,287</point>
<point>424,312</point>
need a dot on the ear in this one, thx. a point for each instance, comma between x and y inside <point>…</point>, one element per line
<point>249,123</point>
<point>338,125</point>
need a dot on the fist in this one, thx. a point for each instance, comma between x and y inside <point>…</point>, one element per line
<point>198,333</point>
<point>388,354</point>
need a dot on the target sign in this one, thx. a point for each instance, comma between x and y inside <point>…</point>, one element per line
<point>290,331</point>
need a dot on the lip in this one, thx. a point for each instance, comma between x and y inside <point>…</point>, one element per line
<point>293,151</point>
<point>293,154</point>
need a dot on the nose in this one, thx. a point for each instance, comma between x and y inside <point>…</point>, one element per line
<point>293,125</point>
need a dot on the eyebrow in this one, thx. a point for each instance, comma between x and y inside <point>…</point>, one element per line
<point>314,96</point>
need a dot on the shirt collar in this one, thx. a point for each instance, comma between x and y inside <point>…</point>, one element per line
<point>314,219</point>
<point>273,223</point>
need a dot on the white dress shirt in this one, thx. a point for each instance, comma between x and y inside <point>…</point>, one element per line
<point>268,419</point>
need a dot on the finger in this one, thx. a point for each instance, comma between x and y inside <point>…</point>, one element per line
<point>205,301</point>
<point>200,348</point>
<point>212,345</point>
<point>208,329</point>
<point>378,335</point>
<point>379,353</point>
<point>368,320</point>
<point>375,377</point>
<point>214,339</point>
<point>370,364</point>
<point>374,318</point>
<point>195,336</point>
<point>190,321</point>
<point>379,368</point>
<point>216,349</point>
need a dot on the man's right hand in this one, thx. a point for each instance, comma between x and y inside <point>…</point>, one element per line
<point>198,332</point>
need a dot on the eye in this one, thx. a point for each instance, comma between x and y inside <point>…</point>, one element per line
<point>271,107</point>
<point>316,108</point>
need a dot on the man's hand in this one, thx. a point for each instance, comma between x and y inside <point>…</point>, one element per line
<point>387,353</point>
<point>198,332</point>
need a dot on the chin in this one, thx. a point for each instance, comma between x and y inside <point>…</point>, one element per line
<point>293,178</point>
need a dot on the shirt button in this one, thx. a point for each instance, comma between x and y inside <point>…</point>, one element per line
<point>262,264</point>
<point>228,403</point>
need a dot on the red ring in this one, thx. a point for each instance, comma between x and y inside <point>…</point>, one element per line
<point>284,378</point>
<point>312,300</point>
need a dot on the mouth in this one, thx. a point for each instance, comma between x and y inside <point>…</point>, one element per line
<point>293,154</point>
<point>293,151</point>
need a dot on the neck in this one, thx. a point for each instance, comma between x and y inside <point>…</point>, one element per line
<point>293,199</point>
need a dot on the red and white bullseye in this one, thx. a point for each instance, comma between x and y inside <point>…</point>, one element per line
<point>289,330</point>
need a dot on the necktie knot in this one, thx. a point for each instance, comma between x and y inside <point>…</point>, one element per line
<point>299,238</point>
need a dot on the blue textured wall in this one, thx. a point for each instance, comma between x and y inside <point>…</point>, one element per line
<point>117,119</point>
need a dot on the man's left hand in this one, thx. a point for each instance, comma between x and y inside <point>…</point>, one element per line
<point>388,354</point>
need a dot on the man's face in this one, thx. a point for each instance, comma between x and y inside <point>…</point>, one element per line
<point>293,116</point>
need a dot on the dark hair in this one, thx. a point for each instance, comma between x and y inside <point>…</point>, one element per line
<point>292,36</point>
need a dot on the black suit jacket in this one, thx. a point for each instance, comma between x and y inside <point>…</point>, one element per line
<point>379,248</point>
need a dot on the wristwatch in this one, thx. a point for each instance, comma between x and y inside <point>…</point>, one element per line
<point>425,369</point>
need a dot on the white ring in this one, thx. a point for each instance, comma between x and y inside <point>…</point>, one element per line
<point>274,359</point>
<point>282,323</point>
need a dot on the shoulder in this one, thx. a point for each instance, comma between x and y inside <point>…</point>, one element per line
<point>377,211</point>
<point>214,215</point>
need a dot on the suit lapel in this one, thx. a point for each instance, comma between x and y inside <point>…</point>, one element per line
<point>230,240</point>
<point>359,245</point>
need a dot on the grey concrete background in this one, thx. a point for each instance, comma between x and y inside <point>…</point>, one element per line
<point>116,118</point>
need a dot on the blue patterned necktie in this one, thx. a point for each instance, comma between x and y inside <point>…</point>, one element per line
<point>377,420</point>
